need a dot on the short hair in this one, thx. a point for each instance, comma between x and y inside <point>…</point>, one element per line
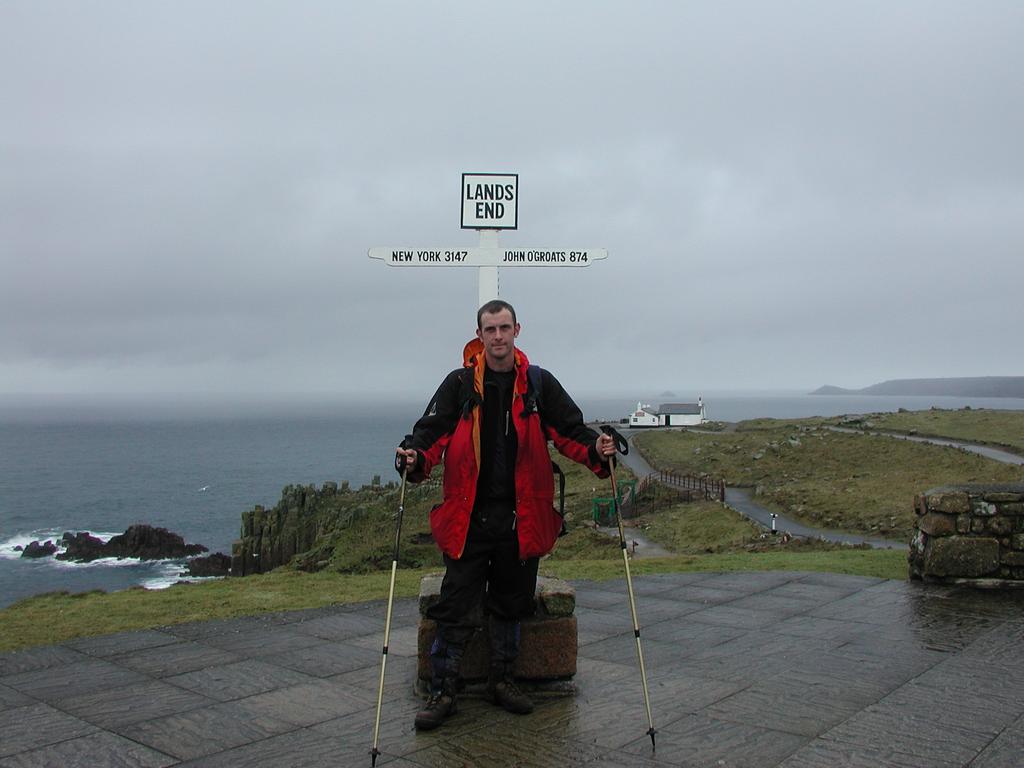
<point>493,307</point>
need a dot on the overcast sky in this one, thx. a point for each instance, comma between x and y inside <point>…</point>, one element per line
<point>791,193</point>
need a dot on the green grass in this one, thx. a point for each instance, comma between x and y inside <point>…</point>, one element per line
<point>698,527</point>
<point>58,617</point>
<point>973,425</point>
<point>852,482</point>
<point>1005,428</point>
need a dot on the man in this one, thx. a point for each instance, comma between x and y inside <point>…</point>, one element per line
<point>489,422</point>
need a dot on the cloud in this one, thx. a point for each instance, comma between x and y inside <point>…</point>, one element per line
<point>791,193</point>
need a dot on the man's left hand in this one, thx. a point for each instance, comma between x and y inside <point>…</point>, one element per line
<point>605,446</point>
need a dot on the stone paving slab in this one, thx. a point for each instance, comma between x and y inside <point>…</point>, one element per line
<point>238,680</point>
<point>97,749</point>
<point>205,731</point>
<point>177,659</point>
<point>36,725</point>
<point>122,642</point>
<point>115,707</point>
<point>787,670</point>
<point>11,698</point>
<point>67,680</point>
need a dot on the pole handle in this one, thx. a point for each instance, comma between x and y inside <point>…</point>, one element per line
<point>620,442</point>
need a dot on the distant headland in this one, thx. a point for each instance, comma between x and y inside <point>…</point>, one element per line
<point>972,386</point>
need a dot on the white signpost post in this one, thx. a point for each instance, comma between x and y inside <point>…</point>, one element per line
<point>490,203</point>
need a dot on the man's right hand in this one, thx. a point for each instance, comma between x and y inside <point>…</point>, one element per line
<point>409,454</point>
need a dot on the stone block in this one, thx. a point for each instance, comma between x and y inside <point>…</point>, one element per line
<point>917,544</point>
<point>961,556</point>
<point>1017,541</point>
<point>1012,508</point>
<point>430,589</point>
<point>963,523</point>
<point>999,497</point>
<point>1013,559</point>
<point>1000,526</point>
<point>937,524</point>
<point>548,640</point>
<point>983,508</point>
<point>547,651</point>
<point>556,597</point>
<point>950,502</point>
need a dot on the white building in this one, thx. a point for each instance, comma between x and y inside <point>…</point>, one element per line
<point>644,416</point>
<point>682,414</point>
<point>669,415</point>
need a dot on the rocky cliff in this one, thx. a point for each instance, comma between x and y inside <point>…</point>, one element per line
<point>335,528</point>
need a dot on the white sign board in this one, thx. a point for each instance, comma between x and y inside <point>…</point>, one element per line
<point>489,257</point>
<point>490,200</point>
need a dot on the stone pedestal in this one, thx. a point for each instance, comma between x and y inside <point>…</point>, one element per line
<point>548,643</point>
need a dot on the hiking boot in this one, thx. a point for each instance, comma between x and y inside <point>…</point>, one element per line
<point>503,691</point>
<point>438,708</point>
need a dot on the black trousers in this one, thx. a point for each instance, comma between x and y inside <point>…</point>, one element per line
<point>490,574</point>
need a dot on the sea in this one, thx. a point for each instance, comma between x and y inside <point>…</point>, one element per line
<point>193,466</point>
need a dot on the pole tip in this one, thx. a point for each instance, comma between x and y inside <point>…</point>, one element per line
<point>373,757</point>
<point>651,732</point>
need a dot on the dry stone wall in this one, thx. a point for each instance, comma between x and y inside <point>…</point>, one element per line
<point>969,534</point>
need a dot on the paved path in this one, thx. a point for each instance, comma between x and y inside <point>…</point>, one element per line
<point>793,670</point>
<point>740,500</point>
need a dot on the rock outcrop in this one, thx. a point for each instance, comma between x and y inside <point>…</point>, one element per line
<point>81,547</point>
<point>144,542</point>
<point>272,537</point>
<point>39,549</point>
<point>217,564</point>
<point>346,530</point>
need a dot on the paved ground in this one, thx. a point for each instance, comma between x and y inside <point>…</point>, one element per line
<point>773,669</point>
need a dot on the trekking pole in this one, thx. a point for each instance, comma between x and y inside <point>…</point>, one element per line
<point>623,447</point>
<point>402,465</point>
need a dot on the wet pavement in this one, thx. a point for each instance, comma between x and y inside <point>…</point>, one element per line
<point>745,669</point>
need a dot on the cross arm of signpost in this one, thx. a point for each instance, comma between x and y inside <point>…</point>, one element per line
<point>485,256</point>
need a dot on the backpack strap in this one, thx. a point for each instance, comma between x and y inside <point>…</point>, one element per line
<point>561,496</point>
<point>534,404</point>
<point>468,397</point>
<point>534,388</point>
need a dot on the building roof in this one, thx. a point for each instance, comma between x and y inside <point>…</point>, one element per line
<point>680,408</point>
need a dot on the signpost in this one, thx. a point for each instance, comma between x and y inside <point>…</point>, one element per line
<point>490,203</point>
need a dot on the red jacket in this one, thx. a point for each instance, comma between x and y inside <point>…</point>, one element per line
<point>449,430</point>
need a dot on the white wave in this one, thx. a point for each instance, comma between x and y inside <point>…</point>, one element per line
<point>203,489</point>
<point>103,562</point>
<point>167,574</point>
<point>172,573</point>
<point>8,546</point>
